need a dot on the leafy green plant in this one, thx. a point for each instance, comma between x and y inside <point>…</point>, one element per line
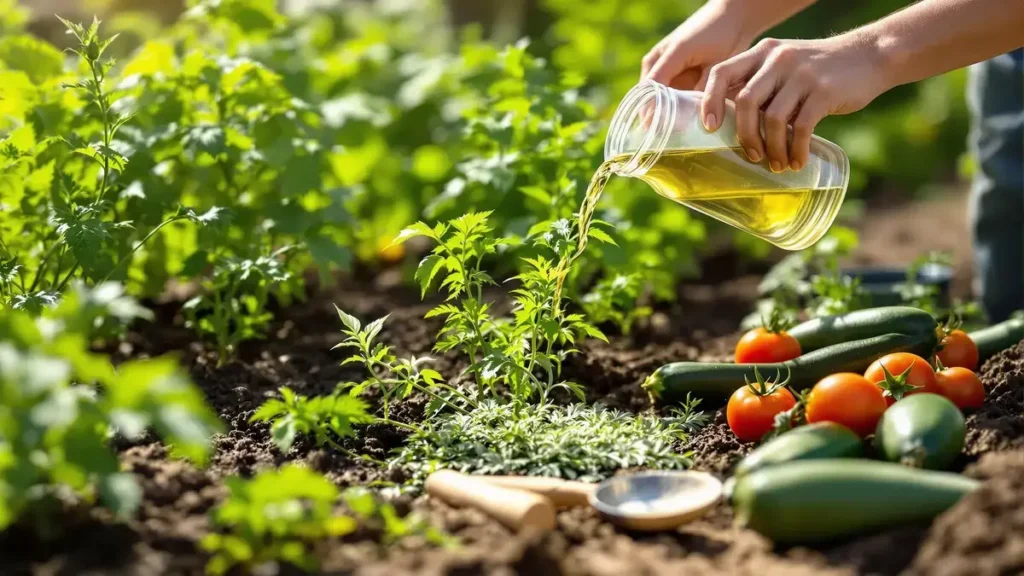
<point>834,293</point>
<point>577,442</point>
<point>66,215</point>
<point>503,351</point>
<point>393,377</point>
<point>687,417</point>
<point>325,417</point>
<point>233,305</point>
<point>278,515</point>
<point>614,300</point>
<point>382,516</point>
<point>60,404</point>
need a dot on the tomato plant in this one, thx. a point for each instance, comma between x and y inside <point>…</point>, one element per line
<point>848,399</point>
<point>958,350</point>
<point>960,385</point>
<point>751,409</point>
<point>901,374</point>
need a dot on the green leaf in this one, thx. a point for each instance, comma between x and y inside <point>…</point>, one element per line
<point>537,193</point>
<point>417,229</point>
<point>87,239</point>
<point>350,322</point>
<point>205,139</point>
<point>425,272</point>
<point>601,236</point>
<point>283,434</point>
<point>121,493</point>
<point>38,59</point>
<point>329,254</point>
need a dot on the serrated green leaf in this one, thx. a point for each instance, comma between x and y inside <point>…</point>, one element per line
<point>350,322</point>
<point>601,236</point>
<point>427,270</point>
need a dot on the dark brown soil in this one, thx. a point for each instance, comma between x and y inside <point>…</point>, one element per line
<point>981,535</point>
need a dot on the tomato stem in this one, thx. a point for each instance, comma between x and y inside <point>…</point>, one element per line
<point>762,387</point>
<point>897,387</point>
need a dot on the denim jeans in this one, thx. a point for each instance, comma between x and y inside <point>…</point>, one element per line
<point>995,96</point>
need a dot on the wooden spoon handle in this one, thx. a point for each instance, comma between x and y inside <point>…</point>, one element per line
<point>516,509</point>
<point>563,493</point>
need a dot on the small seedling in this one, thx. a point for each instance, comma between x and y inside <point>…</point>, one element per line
<point>279,515</point>
<point>324,417</point>
<point>393,528</point>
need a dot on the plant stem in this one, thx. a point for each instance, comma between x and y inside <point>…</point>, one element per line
<point>60,287</point>
<point>139,245</point>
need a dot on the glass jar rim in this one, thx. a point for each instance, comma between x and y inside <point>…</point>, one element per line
<point>657,101</point>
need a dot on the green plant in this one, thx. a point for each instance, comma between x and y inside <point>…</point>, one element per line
<point>382,516</point>
<point>66,213</point>
<point>503,351</point>
<point>394,377</point>
<point>61,403</point>
<point>834,293</point>
<point>278,515</point>
<point>614,300</point>
<point>233,305</point>
<point>321,416</point>
<point>578,442</point>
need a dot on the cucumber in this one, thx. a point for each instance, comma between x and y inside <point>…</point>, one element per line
<point>671,382</point>
<point>813,441</point>
<point>813,501</point>
<point>830,330</point>
<point>999,337</point>
<point>921,430</point>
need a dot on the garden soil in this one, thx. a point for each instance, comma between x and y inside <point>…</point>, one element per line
<point>983,534</point>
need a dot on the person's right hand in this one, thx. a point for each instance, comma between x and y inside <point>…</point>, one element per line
<point>684,58</point>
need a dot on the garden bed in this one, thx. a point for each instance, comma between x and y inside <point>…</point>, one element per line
<point>979,536</point>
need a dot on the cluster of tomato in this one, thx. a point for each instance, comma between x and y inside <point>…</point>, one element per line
<point>853,400</point>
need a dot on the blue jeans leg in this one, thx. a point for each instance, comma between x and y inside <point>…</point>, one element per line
<point>996,101</point>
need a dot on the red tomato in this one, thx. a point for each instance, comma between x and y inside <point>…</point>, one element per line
<point>920,378</point>
<point>751,415</point>
<point>761,346</point>
<point>958,350</point>
<point>848,399</point>
<point>961,386</point>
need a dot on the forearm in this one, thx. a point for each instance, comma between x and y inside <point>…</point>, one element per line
<point>935,36</point>
<point>760,15</point>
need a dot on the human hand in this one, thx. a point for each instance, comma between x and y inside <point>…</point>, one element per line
<point>796,82</point>
<point>684,58</point>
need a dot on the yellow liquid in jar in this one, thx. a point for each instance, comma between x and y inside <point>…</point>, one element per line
<point>723,184</point>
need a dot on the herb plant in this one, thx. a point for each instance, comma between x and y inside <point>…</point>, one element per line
<point>511,352</point>
<point>614,300</point>
<point>277,516</point>
<point>325,417</point>
<point>577,442</point>
<point>60,404</point>
<point>233,305</point>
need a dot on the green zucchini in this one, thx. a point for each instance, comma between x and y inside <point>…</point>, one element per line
<point>999,337</point>
<point>813,441</point>
<point>831,330</point>
<point>921,430</point>
<point>670,383</point>
<point>812,501</point>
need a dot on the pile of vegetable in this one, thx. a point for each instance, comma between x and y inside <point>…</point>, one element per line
<point>890,383</point>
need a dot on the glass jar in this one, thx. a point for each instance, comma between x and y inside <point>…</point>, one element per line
<point>657,135</point>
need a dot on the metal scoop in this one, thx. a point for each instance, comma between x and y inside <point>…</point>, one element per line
<point>648,501</point>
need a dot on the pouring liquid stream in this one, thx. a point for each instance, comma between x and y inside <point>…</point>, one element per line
<point>723,184</point>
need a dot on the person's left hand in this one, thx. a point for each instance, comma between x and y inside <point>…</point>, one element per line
<point>796,82</point>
